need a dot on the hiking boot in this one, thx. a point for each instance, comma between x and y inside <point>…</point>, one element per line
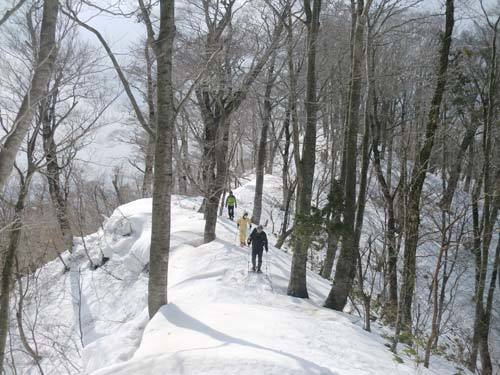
<point>253,269</point>
<point>259,271</point>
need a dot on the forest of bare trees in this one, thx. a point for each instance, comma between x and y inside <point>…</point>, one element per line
<point>380,117</point>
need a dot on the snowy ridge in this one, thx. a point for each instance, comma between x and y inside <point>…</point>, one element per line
<point>221,319</point>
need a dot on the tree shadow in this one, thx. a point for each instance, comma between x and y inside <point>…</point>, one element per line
<point>179,318</point>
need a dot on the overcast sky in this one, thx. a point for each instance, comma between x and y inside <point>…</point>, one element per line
<point>122,33</point>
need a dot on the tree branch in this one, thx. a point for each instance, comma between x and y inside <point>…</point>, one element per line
<point>11,11</point>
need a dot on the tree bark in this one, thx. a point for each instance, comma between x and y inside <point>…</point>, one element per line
<point>288,188</point>
<point>483,231</point>
<point>331,251</point>
<point>261,153</point>
<point>435,287</point>
<point>419,173</point>
<point>162,186</point>
<point>333,226</point>
<point>147,181</point>
<point>7,271</point>
<point>345,271</point>
<point>391,276</point>
<point>36,91</point>
<point>15,237</point>
<point>467,140</point>
<point>53,170</point>
<point>185,169</point>
<point>217,183</point>
<point>297,286</point>
<point>391,304</point>
<point>286,158</point>
<point>365,147</point>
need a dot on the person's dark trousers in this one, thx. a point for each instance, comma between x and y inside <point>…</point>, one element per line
<point>255,254</point>
<point>230,212</point>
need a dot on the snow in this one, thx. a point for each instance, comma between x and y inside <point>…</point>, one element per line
<point>221,319</point>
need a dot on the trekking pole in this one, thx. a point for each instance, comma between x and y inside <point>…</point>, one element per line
<point>267,263</point>
<point>268,272</point>
<point>248,262</point>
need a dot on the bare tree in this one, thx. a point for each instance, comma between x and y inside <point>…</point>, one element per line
<point>18,4</point>
<point>297,285</point>
<point>261,153</point>
<point>218,100</point>
<point>162,180</point>
<point>484,226</point>
<point>37,90</point>
<point>345,271</point>
<point>15,237</point>
<point>418,176</point>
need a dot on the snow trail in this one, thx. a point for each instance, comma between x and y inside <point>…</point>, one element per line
<point>221,319</point>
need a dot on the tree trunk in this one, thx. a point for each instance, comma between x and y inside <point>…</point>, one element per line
<point>419,173</point>
<point>477,258</point>
<point>20,321</point>
<point>470,168</point>
<point>286,158</point>
<point>115,181</point>
<point>11,11</point>
<point>53,170</point>
<point>216,187</point>
<point>8,263</point>
<point>147,181</point>
<point>345,271</point>
<point>297,287</point>
<point>38,89</point>
<point>484,335</point>
<point>483,231</point>
<point>435,287</point>
<point>208,159</point>
<point>390,235</point>
<point>185,170</point>
<point>467,140</point>
<point>284,231</point>
<point>365,147</point>
<point>366,298</point>
<point>391,276</point>
<point>333,226</point>
<point>331,251</point>
<point>273,147</point>
<point>261,153</point>
<point>162,186</point>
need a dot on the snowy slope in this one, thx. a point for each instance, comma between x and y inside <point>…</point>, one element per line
<point>220,320</point>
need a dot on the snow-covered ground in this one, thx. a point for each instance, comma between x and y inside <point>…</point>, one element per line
<point>221,319</point>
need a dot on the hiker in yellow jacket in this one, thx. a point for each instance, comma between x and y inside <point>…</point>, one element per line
<point>243,223</point>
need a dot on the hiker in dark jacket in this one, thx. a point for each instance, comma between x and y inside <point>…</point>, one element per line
<point>258,239</point>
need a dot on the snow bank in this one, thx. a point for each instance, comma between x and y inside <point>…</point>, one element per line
<point>221,319</point>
